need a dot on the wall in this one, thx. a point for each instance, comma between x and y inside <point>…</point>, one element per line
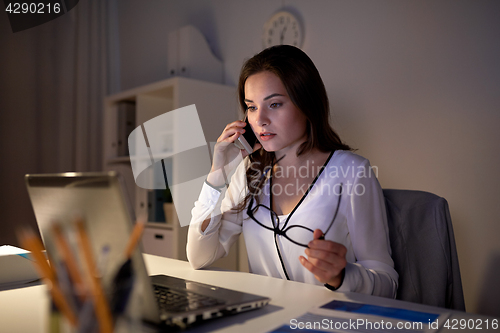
<point>18,130</point>
<point>50,102</point>
<point>413,85</point>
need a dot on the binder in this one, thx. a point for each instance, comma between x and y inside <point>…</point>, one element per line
<point>126,124</point>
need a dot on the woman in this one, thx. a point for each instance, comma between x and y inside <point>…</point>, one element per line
<point>310,210</point>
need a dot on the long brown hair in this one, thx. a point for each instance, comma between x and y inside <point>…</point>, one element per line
<point>303,84</point>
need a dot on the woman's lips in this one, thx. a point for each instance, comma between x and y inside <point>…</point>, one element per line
<point>266,136</point>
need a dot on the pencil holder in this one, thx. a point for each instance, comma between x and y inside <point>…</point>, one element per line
<point>123,295</point>
<point>93,287</point>
<point>130,321</point>
<point>127,322</point>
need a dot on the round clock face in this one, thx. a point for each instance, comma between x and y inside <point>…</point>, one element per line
<point>283,28</point>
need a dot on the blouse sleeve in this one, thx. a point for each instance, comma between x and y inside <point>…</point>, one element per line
<point>203,248</point>
<point>373,271</point>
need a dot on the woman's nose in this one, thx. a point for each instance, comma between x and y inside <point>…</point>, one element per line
<point>262,119</point>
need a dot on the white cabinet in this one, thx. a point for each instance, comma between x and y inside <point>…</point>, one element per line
<point>156,240</point>
<point>216,105</point>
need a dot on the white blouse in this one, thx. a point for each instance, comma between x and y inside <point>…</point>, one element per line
<point>360,225</point>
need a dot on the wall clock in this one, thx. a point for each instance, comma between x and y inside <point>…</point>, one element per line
<point>282,28</point>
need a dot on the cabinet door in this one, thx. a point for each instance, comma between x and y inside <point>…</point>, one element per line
<point>158,242</point>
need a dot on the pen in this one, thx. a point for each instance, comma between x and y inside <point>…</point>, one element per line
<point>123,282</point>
<point>103,260</point>
<point>70,260</point>
<point>101,306</point>
<point>86,317</point>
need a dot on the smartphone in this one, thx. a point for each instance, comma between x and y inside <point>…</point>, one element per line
<point>247,140</point>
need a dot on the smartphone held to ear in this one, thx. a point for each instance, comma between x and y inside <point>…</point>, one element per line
<point>247,140</point>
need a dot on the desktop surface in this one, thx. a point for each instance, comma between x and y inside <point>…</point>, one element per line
<point>26,309</point>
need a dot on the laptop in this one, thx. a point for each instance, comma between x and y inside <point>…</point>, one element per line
<point>100,199</point>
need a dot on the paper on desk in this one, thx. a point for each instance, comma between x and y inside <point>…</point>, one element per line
<point>15,266</point>
<point>341,316</point>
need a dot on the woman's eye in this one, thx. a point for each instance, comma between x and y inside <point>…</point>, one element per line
<point>275,105</point>
<point>251,108</point>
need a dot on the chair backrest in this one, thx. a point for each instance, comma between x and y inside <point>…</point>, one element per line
<point>423,249</point>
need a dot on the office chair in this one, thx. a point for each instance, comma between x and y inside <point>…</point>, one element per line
<point>423,249</point>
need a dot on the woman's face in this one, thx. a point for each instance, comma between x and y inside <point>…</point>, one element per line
<point>278,124</point>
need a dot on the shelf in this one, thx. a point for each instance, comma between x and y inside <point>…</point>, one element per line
<point>159,225</point>
<point>121,159</point>
<point>124,159</point>
<point>151,101</point>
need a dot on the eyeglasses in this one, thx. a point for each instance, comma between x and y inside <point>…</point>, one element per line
<point>288,231</point>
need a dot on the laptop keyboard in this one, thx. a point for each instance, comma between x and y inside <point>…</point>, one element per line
<point>180,301</point>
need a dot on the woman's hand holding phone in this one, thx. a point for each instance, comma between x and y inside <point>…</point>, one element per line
<point>226,152</point>
<point>247,140</point>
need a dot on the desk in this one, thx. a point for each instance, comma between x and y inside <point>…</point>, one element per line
<point>25,310</point>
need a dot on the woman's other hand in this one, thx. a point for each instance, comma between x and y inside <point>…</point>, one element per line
<point>326,260</point>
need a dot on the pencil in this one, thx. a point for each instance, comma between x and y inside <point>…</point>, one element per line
<point>103,312</point>
<point>134,238</point>
<point>30,242</point>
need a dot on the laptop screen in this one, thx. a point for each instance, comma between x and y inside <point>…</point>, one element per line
<point>98,199</point>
